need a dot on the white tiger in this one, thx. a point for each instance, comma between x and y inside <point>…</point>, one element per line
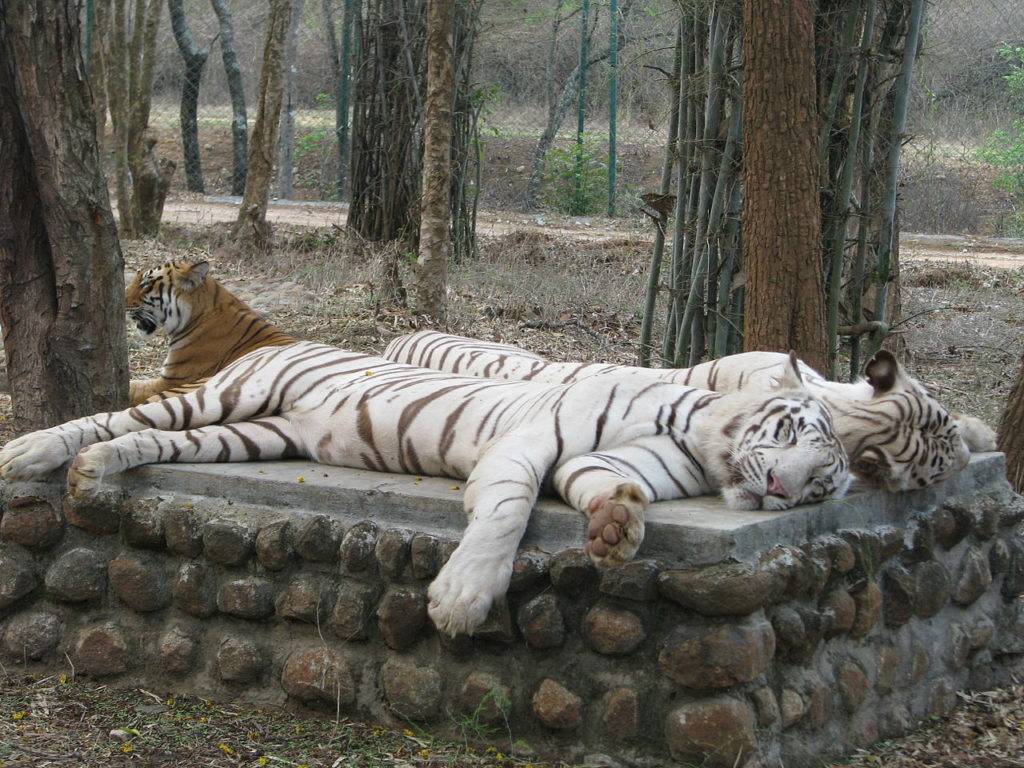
<point>895,433</point>
<point>608,447</point>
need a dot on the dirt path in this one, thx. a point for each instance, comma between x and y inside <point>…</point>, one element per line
<point>1002,253</point>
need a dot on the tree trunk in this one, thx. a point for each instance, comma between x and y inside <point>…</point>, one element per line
<point>781,212</point>
<point>194,58</point>
<point>61,270</point>
<point>140,179</point>
<point>98,68</point>
<point>431,279</point>
<point>1011,432</point>
<point>386,123</point>
<point>341,62</point>
<point>239,119</point>
<point>286,142</point>
<point>150,178</point>
<point>251,228</point>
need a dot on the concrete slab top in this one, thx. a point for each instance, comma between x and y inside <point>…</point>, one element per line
<point>693,532</point>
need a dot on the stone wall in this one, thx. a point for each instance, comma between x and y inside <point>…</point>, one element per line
<point>816,643</point>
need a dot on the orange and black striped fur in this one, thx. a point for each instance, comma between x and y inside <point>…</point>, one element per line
<point>895,433</point>
<point>206,325</point>
<point>607,447</point>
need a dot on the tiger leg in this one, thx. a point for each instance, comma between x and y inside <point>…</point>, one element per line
<point>234,394</point>
<point>141,390</point>
<point>272,437</point>
<point>614,487</point>
<point>500,494</point>
<point>174,391</point>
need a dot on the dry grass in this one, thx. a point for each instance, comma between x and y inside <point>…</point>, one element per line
<point>60,721</point>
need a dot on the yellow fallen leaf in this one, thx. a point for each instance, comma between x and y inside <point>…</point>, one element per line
<point>455,487</point>
<point>21,714</point>
<point>301,479</point>
<point>225,749</point>
<point>127,748</point>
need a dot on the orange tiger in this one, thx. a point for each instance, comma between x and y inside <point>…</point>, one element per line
<point>207,326</point>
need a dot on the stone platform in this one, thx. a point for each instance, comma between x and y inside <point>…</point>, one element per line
<point>755,638</point>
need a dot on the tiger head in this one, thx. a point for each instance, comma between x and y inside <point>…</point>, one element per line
<point>782,449</point>
<point>900,438</point>
<point>162,297</point>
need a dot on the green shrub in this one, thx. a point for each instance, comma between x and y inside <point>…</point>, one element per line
<point>575,180</point>
<point>1005,149</point>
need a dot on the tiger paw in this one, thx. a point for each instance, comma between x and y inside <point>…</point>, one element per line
<point>616,526</point>
<point>464,590</point>
<point>86,472</point>
<point>32,456</point>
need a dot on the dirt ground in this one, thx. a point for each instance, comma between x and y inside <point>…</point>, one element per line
<point>567,288</point>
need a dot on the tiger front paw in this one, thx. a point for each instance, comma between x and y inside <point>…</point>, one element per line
<point>616,527</point>
<point>464,590</point>
<point>32,456</point>
<point>86,472</point>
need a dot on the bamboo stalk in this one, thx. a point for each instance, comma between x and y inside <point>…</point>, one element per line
<point>654,271</point>
<point>695,297</point>
<point>847,31</point>
<point>899,122</point>
<point>682,186</point>
<point>842,204</point>
<point>723,329</point>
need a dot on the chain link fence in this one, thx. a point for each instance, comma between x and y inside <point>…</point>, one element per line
<point>526,77</point>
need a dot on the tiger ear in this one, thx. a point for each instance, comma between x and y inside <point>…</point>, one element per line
<point>791,378</point>
<point>883,372</point>
<point>194,275</point>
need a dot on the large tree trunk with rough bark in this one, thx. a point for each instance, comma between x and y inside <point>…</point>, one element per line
<point>781,212</point>
<point>431,279</point>
<point>251,229</point>
<point>194,59</point>
<point>239,120</point>
<point>61,270</point>
<point>1011,433</point>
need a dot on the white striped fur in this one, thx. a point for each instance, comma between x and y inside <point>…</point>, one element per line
<point>608,447</point>
<point>895,433</point>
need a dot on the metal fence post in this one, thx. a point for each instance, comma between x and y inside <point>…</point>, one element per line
<point>613,98</point>
<point>581,102</point>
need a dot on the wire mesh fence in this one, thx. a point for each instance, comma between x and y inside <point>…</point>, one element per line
<point>526,81</point>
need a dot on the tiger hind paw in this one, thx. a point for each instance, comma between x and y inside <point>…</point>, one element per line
<point>616,527</point>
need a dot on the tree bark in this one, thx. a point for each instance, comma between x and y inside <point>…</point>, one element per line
<point>194,58</point>
<point>781,212</point>
<point>251,228</point>
<point>286,142</point>
<point>1011,432</point>
<point>431,278</point>
<point>61,269</point>
<point>341,62</point>
<point>239,119</point>
<point>98,68</point>
<point>387,157</point>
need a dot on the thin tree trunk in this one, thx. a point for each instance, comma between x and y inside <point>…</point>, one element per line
<point>566,99</point>
<point>239,120</point>
<point>98,68</point>
<point>286,142</point>
<point>781,211</point>
<point>898,125</point>
<point>657,253</point>
<point>341,64</point>
<point>150,179</point>
<point>61,269</point>
<point>1011,432</point>
<point>431,279</point>
<point>117,99</point>
<point>251,228</point>
<point>194,58</point>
